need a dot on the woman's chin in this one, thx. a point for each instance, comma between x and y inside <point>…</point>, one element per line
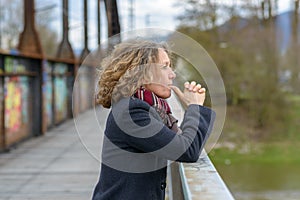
<point>165,94</point>
<point>159,90</point>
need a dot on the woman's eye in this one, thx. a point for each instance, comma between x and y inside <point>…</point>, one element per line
<point>165,67</point>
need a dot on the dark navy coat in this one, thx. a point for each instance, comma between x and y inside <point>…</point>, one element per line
<point>137,145</point>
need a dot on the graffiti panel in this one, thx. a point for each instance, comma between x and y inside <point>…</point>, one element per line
<point>85,88</point>
<point>61,92</point>
<point>1,105</point>
<point>16,96</point>
<point>47,92</point>
<point>13,108</point>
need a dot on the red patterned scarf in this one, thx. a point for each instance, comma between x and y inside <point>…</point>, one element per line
<point>160,105</point>
<point>152,99</point>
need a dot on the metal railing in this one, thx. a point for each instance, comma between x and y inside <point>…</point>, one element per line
<point>200,180</point>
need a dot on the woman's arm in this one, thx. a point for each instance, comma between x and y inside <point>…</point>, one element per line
<point>145,131</point>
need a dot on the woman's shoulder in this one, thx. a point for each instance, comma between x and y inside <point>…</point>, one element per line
<point>132,106</point>
<point>130,103</point>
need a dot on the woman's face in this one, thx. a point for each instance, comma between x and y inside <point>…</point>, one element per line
<point>163,76</point>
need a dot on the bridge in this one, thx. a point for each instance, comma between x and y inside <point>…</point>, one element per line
<point>36,100</point>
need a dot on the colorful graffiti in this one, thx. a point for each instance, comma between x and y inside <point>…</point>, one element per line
<point>61,91</point>
<point>1,99</point>
<point>13,108</point>
<point>85,83</point>
<point>16,96</point>
<point>47,92</point>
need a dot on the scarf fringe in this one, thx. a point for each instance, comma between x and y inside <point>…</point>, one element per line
<point>160,105</point>
<point>152,99</point>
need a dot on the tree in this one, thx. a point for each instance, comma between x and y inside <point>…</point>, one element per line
<point>245,50</point>
<point>48,36</point>
<point>49,40</point>
<point>293,52</point>
<point>12,26</point>
<point>208,14</point>
<point>202,14</point>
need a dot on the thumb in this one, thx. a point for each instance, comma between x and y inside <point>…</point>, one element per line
<point>177,91</point>
<point>180,96</point>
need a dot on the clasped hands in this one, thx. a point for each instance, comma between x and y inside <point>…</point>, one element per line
<point>193,93</point>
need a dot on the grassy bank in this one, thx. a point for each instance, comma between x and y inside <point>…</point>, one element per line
<point>272,152</point>
<point>240,142</point>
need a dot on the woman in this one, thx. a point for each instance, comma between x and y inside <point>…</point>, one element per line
<point>141,134</point>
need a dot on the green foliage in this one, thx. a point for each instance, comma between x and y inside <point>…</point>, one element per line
<point>248,60</point>
<point>11,18</point>
<point>49,40</point>
<point>48,36</point>
<point>293,126</point>
<point>274,152</point>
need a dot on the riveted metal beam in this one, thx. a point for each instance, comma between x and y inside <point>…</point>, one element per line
<point>85,50</point>
<point>65,49</point>
<point>112,17</point>
<point>29,41</point>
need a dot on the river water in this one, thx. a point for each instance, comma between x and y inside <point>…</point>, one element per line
<point>249,181</point>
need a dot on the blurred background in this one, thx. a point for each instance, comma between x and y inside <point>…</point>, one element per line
<point>255,45</point>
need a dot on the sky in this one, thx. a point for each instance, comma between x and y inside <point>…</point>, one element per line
<point>148,13</point>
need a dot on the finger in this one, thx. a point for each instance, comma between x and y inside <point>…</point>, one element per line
<point>197,88</point>
<point>186,85</point>
<point>177,91</point>
<point>202,90</point>
<point>180,96</point>
<point>192,85</point>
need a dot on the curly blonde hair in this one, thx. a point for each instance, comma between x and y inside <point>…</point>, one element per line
<point>126,69</point>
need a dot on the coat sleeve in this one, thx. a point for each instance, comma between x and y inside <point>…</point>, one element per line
<point>149,134</point>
